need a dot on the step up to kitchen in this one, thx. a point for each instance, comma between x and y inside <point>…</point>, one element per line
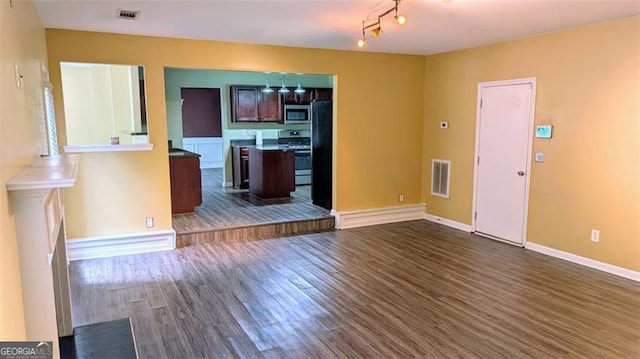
<point>256,232</point>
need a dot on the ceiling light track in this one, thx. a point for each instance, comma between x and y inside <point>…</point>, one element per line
<point>376,26</point>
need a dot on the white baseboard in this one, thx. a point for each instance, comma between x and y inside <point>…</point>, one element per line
<point>121,244</point>
<point>227,184</point>
<point>448,222</point>
<point>605,267</point>
<point>370,217</point>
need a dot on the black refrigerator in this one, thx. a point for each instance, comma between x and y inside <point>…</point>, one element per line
<point>321,152</point>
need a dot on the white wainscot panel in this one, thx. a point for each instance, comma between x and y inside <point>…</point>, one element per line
<point>209,148</point>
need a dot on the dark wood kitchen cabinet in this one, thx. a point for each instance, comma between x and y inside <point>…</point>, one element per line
<point>322,94</point>
<point>310,94</point>
<point>186,184</point>
<point>240,164</point>
<point>250,104</point>
<point>297,99</point>
<point>272,173</point>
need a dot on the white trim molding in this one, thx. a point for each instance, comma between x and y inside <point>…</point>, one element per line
<point>120,244</point>
<point>209,149</point>
<point>591,263</point>
<point>370,217</point>
<point>448,222</point>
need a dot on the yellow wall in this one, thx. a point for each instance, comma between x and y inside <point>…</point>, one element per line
<point>22,41</point>
<point>588,88</point>
<point>378,134</point>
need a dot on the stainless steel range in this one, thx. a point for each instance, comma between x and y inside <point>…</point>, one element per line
<point>300,142</point>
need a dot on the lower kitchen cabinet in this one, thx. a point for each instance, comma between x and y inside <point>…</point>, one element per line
<point>240,164</point>
<point>186,183</point>
<point>272,173</point>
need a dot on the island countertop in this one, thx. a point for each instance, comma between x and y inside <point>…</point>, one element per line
<point>178,152</point>
<point>271,147</point>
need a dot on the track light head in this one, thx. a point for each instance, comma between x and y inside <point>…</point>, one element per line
<point>400,19</point>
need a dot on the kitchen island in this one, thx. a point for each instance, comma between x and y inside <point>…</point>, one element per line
<point>272,169</point>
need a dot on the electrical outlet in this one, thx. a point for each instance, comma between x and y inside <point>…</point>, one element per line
<point>401,197</point>
<point>595,235</point>
<point>149,222</point>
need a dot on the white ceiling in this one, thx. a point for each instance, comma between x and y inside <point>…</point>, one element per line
<point>434,26</point>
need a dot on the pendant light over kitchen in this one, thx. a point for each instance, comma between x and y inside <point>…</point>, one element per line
<point>376,26</point>
<point>283,89</point>
<point>267,88</point>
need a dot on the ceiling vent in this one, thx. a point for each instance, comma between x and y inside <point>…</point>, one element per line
<point>128,14</point>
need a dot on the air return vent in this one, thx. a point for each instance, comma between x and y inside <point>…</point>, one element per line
<point>440,174</point>
<point>128,14</point>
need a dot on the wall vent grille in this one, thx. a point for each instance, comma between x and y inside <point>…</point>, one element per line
<point>128,14</point>
<point>440,175</point>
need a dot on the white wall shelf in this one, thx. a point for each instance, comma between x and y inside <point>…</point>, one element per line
<point>108,148</point>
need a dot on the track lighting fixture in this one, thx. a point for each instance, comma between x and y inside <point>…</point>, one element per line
<point>376,27</point>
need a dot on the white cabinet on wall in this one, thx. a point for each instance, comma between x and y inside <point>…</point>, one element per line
<point>209,148</point>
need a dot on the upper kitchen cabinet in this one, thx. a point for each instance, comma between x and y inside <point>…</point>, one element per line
<point>298,98</point>
<point>310,94</point>
<point>323,94</point>
<point>250,104</point>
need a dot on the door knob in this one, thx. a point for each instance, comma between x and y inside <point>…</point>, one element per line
<point>520,173</point>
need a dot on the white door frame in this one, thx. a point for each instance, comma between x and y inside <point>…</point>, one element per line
<point>481,86</point>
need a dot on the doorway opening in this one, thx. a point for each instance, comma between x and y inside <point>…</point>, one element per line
<point>227,203</point>
<point>504,131</point>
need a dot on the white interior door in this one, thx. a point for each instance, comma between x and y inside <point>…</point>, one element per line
<point>503,148</point>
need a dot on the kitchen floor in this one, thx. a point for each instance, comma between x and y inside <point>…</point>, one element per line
<point>225,207</point>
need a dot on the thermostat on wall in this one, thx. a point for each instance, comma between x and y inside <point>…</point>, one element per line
<point>543,131</point>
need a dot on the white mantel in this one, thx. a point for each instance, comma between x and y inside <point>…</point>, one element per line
<point>37,204</point>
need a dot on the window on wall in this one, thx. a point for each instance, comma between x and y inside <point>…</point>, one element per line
<point>50,121</point>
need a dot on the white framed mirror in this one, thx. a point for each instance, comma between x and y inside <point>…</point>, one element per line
<point>104,107</point>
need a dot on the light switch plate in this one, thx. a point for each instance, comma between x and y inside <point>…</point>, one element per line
<point>19,76</point>
<point>539,157</point>
<point>543,131</point>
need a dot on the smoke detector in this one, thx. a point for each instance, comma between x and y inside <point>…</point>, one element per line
<point>128,14</point>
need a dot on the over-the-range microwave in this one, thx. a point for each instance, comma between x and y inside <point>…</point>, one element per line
<point>297,113</point>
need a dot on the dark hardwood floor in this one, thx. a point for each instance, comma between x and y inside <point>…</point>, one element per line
<point>403,290</point>
<point>230,208</point>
